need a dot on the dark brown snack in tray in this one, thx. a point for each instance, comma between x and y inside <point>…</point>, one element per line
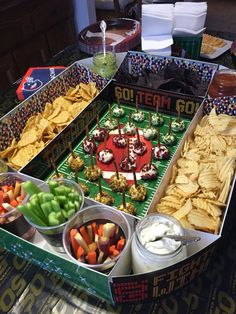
<point>171,78</point>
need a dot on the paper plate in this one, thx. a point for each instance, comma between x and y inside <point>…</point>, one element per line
<point>122,34</point>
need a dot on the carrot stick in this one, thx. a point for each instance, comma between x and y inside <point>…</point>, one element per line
<point>115,253</point>
<point>14,203</point>
<point>100,230</point>
<point>111,249</point>
<point>80,240</point>
<point>95,228</point>
<point>80,252</point>
<point>6,188</point>
<point>73,242</point>
<point>90,232</point>
<point>20,198</point>
<point>92,257</point>
<point>120,244</point>
<point>84,234</point>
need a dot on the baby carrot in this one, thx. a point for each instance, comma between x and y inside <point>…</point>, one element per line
<point>74,243</point>
<point>92,257</point>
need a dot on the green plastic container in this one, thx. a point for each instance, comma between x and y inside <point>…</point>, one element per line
<point>191,45</point>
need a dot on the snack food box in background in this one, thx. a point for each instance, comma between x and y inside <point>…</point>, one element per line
<point>35,78</point>
<point>117,286</point>
<point>145,76</point>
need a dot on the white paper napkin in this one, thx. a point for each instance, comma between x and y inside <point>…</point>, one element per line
<point>156,42</point>
<point>187,32</point>
<point>162,10</point>
<point>153,25</point>
<point>193,8</point>
<point>165,52</point>
<point>190,16</point>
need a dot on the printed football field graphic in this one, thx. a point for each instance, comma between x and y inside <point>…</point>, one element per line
<point>119,153</point>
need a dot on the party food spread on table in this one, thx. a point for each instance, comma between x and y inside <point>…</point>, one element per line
<point>126,168</point>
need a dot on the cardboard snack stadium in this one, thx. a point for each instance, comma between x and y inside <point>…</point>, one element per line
<point>133,89</point>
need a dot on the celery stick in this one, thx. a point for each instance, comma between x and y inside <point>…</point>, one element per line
<point>25,210</point>
<point>52,185</point>
<point>47,208</point>
<point>31,188</point>
<point>52,219</point>
<point>60,190</point>
<point>60,217</point>
<point>46,197</point>
<point>55,206</point>
<point>70,213</point>
<point>38,210</point>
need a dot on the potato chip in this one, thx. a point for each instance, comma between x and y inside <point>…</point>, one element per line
<point>173,200</point>
<point>165,210</point>
<point>208,180</point>
<point>170,189</point>
<point>231,152</point>
<point>225,191</point>
<point>210,208</point>
<point>184,210</point>
<point>173,174</point>
<point>181,178</point>
<point>192,154</point>
<point>203,174</point>
<point>186,224</point>
<point>190,188</point>
<point>170,204</point>
<point>201,221</point>
<point>228,163</point>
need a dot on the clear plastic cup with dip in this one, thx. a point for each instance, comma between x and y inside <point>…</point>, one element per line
<point>105,64</point>
<point>149,253</point>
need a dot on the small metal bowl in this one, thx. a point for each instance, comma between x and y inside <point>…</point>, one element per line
<point>13,221</point>
<point>93,213</point>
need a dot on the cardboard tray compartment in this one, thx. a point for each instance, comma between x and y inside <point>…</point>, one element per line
<point>118,286</point>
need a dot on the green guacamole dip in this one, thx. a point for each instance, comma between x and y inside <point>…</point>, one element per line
<point>105,65</point>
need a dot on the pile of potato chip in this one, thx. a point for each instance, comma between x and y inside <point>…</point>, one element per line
<point>201,179</point>
<point>43,127</point>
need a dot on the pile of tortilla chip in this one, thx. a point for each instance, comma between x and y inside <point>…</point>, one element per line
<point>43,127</point>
